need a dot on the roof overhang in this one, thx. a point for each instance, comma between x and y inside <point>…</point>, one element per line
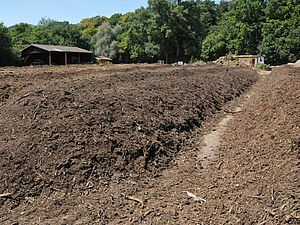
<point>103,58</point>
<point>246,56</point>
<point>53,48</point>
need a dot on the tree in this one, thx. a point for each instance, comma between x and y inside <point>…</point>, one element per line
<point>20,36</point>
<point>137,43</point>
<point>114,19</point>
<point>244,19</point>
<point>125,18</point>
<point>6,55</point>
<point>179,30</point>
<point>238,31</point>
<point>105,40</point>
<point>89,26</point>
<point>52,32</point>
<point>281,32</point>
<point>170,30</point>
<point>41,35</point>
<point>221,9</point>
<point>166,25</point>
<point>213,46</point>
<point>199,17</point>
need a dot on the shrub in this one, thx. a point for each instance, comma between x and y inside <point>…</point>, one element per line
<point>197,63</point>
<point>262,66</point>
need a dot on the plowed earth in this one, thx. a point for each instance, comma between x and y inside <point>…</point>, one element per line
<point>120,145</point>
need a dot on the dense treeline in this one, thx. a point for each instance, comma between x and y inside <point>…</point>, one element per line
<point>173,30</point>
<point>6,55</point>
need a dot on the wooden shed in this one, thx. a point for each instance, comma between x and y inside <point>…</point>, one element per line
<point>36,54</point>
<point>250,60</point>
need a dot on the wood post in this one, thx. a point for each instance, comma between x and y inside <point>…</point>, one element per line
<point>79,58</point>
<point>50,63</point>
<point>66,58</point>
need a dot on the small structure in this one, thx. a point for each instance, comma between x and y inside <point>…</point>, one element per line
<point>103,60</point>
<point>36,54</point>
<point>250,60</point>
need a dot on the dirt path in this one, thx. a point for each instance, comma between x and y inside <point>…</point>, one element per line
<point>211,141</point>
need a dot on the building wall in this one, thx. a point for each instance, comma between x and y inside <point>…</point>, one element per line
<point>261,60</point>
<point>247,60</point>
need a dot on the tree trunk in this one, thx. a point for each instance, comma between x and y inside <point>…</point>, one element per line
<point>166,55</point>
<point>177,51</point>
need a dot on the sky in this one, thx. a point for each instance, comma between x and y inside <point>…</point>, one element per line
<point>31,11</point>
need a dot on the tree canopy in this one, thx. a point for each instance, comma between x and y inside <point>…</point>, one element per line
<point>105,40</point>
<point>175,30</point>
<point>6,56</point>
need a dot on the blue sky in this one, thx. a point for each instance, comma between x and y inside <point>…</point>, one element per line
<point>31,11</point>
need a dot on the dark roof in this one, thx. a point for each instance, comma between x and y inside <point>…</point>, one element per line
<point>55,48</point>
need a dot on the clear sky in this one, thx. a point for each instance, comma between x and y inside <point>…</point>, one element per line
<point>31,11</point>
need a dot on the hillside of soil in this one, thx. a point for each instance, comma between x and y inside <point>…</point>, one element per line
<point>70,132</point>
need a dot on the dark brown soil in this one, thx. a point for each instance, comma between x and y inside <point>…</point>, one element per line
<point>118,145</point>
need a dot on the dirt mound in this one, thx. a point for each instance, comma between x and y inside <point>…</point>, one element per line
<point>71,129</point>
<point>261,154</point>
<point>297,64</point>
<point>254,180</point>
<point>228,62</point>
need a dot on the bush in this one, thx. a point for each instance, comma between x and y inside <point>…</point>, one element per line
<point>197,63</point>
<point>262,66</point>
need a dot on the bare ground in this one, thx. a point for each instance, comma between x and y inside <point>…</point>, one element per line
<point>252,178</point>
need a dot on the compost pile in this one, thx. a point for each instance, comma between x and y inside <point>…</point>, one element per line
<point>73,128</point>
<point>254,178</point>
<point>229,62</point>
<point>260,155</point>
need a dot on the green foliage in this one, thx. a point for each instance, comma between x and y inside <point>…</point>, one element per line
<point>89,26</point>
<point>137,43</point>
<point>20,36</point>
<point>105,40</point>
<point>199,18</point>
<point>244,18</point>
<point>270,28</point>
<point>114,19</point>
<point>177,30</point>
<point>239,31</point>
<point>261,66</point>
<point>197,63</point>
<point>6,55</point>
<point>281,32</point>
<point>41,35</point>
<point>125,18</point>
<point>214,46</point>
<point>49,32</point>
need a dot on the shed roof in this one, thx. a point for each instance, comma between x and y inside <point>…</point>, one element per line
<point>55,48</point>
<point>103,58</point>
<point>246,56</point>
